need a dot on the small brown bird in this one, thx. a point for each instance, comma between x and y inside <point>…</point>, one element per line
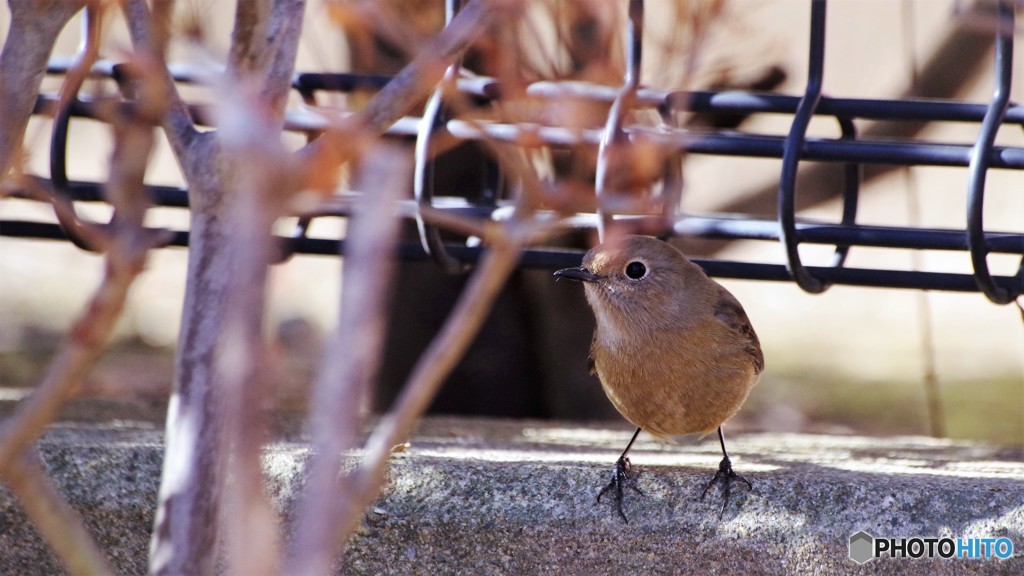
<point>673,349</point>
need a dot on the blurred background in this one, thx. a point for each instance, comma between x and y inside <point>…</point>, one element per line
<point>851,360</point>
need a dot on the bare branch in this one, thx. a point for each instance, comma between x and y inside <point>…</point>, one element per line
<point>85,342</point>
<point>150,32</point>
<point>249,53</point>
<point>351,362</point>
<point>37,189</point>
<point>486,230</point>
<point>419,78</point>
<point>361,486</point>
<point>261,169</point>
<point>413,84</point>
<point>184,530</point>
<point>239,180</point>
<point>286,28</point>
<point>90,333</point>
<point>264,44</point>
<point>82,347</point>
<point>33,31</point>
<point>57,522</point>
<point>87,56</point>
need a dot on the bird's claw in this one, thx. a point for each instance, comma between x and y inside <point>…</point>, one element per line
<point>726,476</point>
<point>622,477</point>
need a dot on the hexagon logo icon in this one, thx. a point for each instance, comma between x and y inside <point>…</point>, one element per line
<point>862,547</point>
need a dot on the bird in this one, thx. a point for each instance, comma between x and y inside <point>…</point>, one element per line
<point>674,350</point>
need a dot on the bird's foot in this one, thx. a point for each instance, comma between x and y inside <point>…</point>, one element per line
<point>726,476</point>
<point>622,477</point>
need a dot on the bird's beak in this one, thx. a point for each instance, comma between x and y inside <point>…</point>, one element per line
<point>580,274</point>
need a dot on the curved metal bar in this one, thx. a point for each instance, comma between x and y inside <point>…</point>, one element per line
<point>62,118</point>
<point>792,150</point>
<point>851,191</point>
<point>634,54</point>
<point>423,181</point>
<point>978,166</point>
<point>614,134</point>
<point>423,173</point>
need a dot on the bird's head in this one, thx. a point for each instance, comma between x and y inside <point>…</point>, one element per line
<point>640,280</point>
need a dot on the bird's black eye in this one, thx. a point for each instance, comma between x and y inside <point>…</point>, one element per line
<point>636,270</point>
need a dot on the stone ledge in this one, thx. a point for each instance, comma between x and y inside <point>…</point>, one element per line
<point>501,497</point>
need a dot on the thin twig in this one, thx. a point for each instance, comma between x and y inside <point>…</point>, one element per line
<point>362,486</point>
<point>486,230</point>
<point>264,44</point>
<point>57,522</point>
<point>85,342</point>
<point>33,30</point>
<point>506,241</point>
<point>81,348</point>
<point>42,191</point>
<point>926,327</point>
<point>413,84</point>
<point>351,362</point>
<point>149,35</point>
<point>79,352</point>
<point>249,525</point>
<point>81,68</point>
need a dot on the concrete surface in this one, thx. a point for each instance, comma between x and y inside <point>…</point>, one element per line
<point>502,497</point>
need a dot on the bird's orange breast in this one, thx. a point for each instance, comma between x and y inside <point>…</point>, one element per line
<point>685,382</point>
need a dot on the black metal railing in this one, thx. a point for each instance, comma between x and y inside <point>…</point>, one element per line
<point>847,150</point>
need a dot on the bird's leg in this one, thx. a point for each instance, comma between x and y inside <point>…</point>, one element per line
<point>622,477</point>
<point>725,475</point>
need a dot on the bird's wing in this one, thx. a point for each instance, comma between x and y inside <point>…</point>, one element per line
<point>729,311</point>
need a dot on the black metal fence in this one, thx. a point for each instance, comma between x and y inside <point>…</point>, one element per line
<point>848,150</point>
